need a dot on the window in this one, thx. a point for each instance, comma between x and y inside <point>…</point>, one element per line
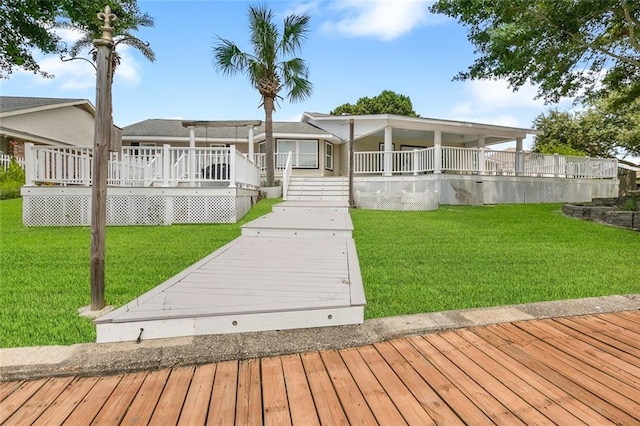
<point>328,155</point>
<point>304,152</point>
<point>217,145</point>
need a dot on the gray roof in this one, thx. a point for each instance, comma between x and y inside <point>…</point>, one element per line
<point>16,103</point>
<point>174,128</point>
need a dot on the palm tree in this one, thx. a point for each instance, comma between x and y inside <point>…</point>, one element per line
<point>123,34</point>
<point>268,68</point>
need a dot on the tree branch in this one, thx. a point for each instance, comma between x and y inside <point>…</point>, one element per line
<point>586,44</point>
<point>632,22</point>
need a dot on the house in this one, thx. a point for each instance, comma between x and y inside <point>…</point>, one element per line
<point>44,121</point>
<point>175,171</point>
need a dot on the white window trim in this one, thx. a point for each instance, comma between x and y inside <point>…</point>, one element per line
<point>295,154</point>
<point>328,158</point>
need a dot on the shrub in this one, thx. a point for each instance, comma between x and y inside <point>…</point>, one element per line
<point>11,180</point>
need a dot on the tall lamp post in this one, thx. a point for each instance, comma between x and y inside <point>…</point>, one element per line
<point>101,138</point>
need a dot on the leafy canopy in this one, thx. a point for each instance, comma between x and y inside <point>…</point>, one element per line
<point>271,67</point>
<point>567,47</point>
<point>600,130</point>
<point>387,102</point>
<point>28,25</point>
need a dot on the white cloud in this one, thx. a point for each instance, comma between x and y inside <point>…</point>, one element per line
<point>382,19</point>
<point>498,120</point>
<point>129,70</point>
<point>494,95</point>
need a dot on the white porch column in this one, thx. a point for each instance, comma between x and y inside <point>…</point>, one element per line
<point>192,155</point>
<point>250,142</point>
<point>233,166</point>
<point>388,148</point>
<point>519,157</point>
<point>437,151</point>
<point>29,163</point>
<point>481,162</point>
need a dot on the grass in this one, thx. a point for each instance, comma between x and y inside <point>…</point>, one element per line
<point>464,257</point>
<point>44,272</point>
<point>412,262</point>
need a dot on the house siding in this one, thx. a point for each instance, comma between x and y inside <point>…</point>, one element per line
<point>69,125</point>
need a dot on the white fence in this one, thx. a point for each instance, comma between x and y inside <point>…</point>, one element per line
<point>484,162</point>
<point>279,158</point>
<point>143,166</point>
<point>5,160</point>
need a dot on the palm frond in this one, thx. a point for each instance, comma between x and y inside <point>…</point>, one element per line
<point>82,43</point>
<point>295,73</point>
<point>228,58</point>
<point>136,43</point>
<point>264,34</point>
<point>296,28</point>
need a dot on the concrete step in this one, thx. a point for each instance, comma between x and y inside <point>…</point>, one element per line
<point>318,179</point>
<point>313,192</point>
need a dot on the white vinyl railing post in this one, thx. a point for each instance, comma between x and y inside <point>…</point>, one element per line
<point>286,176</point>
<point>232,166</point>
<point>481,161</point>
<point>29,163</point>
<point>416,158</point>
<point>437,152</point>
<point>166,164</point>
<point>556,164</point>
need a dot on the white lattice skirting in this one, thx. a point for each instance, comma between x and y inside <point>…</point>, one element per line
<point>71,206</point>
<point>427,192</point>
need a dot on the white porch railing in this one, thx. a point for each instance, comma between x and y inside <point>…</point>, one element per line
<point>286,176</point>
<point>5,160</point>
<point>142,166</point>
<point>485,162</point>
<point>279,161</point>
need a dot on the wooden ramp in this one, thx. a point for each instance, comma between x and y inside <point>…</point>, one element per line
<point>565,371</point>
<point>292,270</point>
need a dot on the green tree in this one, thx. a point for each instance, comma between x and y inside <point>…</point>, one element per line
<point>605,128</point>
<point>28,25</point>
<point>564,46</point>
<point>270,67</point>
<point>387,102</point>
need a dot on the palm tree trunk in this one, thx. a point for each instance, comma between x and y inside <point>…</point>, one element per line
<point>268,131</point>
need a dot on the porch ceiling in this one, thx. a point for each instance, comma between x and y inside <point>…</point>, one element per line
<point>455,139</point>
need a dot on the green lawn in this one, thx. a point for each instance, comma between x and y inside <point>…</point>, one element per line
<point>44,272</point>
<point>456,257</point>
<point>463,257</point>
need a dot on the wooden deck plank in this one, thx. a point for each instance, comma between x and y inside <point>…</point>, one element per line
<point>274,393</point>
<point>324,395</point>
<point>616,387</point>
<point>411,408</point>
<point>513,376</point>
<point>622,370</point>
<point>91,404</point>
<point>198,398</point>
<point>429,400</point>
<point>557,395</point>
<point>7,388</point>
<point>301,405</point>
<point>41,399</point>
<point>558,372</point>
<point>453,397</point>
<point>66,402</point>
<point>353,402</point>
<point>581,324</point>
<point>142,406</point>
<point>378,400</point>
<point>621,321</point>
<point>630,315</point>
<point>169,407</point>
<point>596,340</point>
<point>18,397</point>
<point>483,399</point>
<point>512,400</point>
<point>619,333</point>
<point>222,409</point>
<point>115,408</point>
<point>249,399</point>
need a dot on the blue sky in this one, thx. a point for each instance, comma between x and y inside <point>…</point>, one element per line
<point>355,48</point>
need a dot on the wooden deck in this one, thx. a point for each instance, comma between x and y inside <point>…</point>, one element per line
<point>567,371</point>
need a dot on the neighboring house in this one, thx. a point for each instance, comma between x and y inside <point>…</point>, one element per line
<point>44,121</point>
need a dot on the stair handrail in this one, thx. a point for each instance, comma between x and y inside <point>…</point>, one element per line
<point>286,176</point>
